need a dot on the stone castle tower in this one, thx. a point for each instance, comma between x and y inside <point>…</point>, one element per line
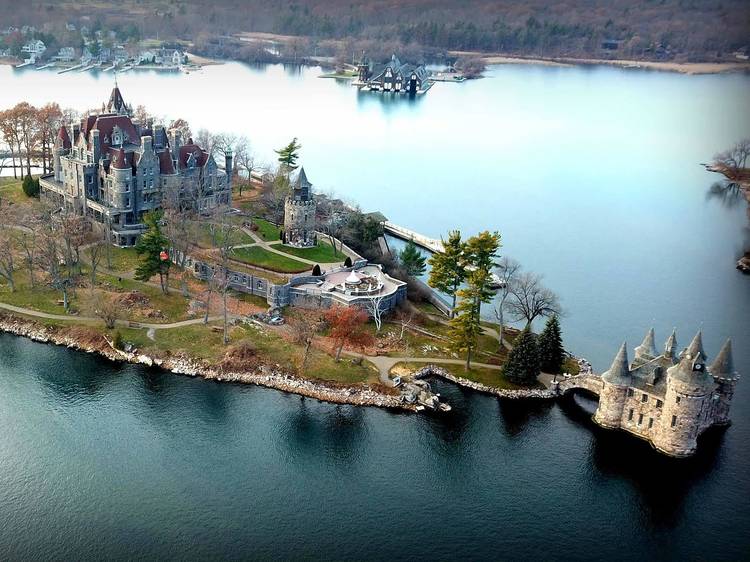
<point>299,214</point>
<point>665,398</point>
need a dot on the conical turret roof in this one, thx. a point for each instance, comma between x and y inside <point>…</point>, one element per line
<point>723,365</point>
<point>695,349</point>
<point>648,346</point>
<point>619,373</point>
<point>670,347</point>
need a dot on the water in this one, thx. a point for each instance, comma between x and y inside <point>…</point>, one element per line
<point>592,176</point>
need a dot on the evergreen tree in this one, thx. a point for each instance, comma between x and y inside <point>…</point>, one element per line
<point>522,366</point>
<point>153,245</point>
<point>480,254</point>
<point>288,155</point>
<point>448,268</point>
<point>551,352</point>
<point>465,326</point>
<point>412,260</point>
<point>30,186</point>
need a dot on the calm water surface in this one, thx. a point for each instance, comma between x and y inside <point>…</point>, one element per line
<point>592,177</point>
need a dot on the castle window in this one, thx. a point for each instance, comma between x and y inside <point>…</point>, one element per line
<point>677,400</point>
<point>644,398</point>
<point>674,421</point>
<point>630,415</point>
<point>659,403</point>
<point>640,419</point>
<point>650,423</point>
<point>630,392</point>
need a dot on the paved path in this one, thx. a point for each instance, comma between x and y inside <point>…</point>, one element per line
<point>124,323</point>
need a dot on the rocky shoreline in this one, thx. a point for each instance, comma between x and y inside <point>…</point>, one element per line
<point>439,372</point>
<point>262,376</point>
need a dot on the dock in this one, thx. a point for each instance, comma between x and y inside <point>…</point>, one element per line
<point>64,70</point>
<point>435,246</point>
<point>45,66</point>
<point>27,63</point>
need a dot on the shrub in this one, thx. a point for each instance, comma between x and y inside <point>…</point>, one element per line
<point>117,340</point>
<point>30,187</point>
<point>316,270</point>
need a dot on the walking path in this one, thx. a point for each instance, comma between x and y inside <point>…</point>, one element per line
<point>270,247</point>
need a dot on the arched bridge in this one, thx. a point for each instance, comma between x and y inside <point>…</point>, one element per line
<point>590,382</point>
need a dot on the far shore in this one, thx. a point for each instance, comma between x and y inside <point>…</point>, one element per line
<point>665,66</point>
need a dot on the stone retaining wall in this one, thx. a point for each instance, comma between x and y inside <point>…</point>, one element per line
<point>435,371</point>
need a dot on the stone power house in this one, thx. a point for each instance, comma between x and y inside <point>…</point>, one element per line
<point>667,399</point>
<point>114,169</point>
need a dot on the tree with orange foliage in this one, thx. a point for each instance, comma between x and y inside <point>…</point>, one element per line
<point>348,327</point>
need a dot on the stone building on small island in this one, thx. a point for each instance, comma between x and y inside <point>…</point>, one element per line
<point>667,398</point>
<point>299,214</point>
<point>394,76</point>
<point>113,169</point>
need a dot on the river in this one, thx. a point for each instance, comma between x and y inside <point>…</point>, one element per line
<point>592,176</point>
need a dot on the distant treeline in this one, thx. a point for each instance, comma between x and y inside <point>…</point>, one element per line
<point>649,29</point>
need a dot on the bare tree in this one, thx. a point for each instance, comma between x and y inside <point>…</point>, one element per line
<point>28,244</point>
<point>244,162</point>
<point>529,299</point>
<point>304,327</point>
<point>507,270</point>
<point>96,253</point>
<point>7,256</point>
<point>374,307</point>
<point>228,241</point>
<point>405,320</point>
<point>107,308</point>
<point>49,259</point>
<point>733,162</point>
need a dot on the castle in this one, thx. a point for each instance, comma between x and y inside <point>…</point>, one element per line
<point>113,169</point>
<point>394,76</point>
<point>299,214</point>
<point>667,398</point>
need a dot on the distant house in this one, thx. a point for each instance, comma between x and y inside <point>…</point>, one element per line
<point>146,57</point>
<point>66,54</point>
<point>394,76</point>
<point>178,58</point>
<point>119,55</point>
<point>35,47</point>
<point>610,44</point>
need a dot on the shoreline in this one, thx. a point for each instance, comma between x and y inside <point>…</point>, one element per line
<point>72,337</point>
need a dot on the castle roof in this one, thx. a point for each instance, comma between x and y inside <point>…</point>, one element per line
<point>647,349</point>
<point>63,137</point>
<point>120,159</point>
<point>619,373</point>
<point>671,345</point>
<point>301,179</point>
<point>723,365</point>
<point>186,150</point>
<point>695,349</point>
<point>165,162</point>
<point>105,124</point>
<point>692,372</point>
<point>116,102</point>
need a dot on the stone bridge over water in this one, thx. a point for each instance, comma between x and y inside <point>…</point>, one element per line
<point>590,382</point>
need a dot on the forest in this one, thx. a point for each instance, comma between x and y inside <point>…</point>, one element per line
<point>682,30</point>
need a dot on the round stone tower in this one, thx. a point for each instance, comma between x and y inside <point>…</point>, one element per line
<point>299,214</point>
<point>614,391</point>
<point>687,403</point>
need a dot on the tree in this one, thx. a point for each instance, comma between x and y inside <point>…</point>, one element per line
<point>27,242</point>
<point>49,118</point>
<point>347,327</point>
<point>551,351</point>
<point>448,268</point>
<point>182,126</point>
<point>288,156</point>
<point>27,123</point>
<point>530,299</point>
<point>465,326</point>
<point>7,257</point>
<point>96,253</point>
<point>374,306</point>
<point>107,308</point>
<point>30,186</point>
<point>523,362</point>
<point>49,259</point>
<point>412,260</point>
<point>245,163</point>
<point>304,327</point>
<point>733,162</point>
<point>507,270</point>
<point>153,246</point>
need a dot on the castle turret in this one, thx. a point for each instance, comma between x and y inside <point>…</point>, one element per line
<point>229,167</point>
<point>62,148</point>
<point>647,350</point>
<point>687,402</point>
<point>614,391</point>
<point>670,347</point>
<point>299,213</point>
<point>722,370</point>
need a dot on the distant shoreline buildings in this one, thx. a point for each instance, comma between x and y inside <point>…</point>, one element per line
<point>393,77</point>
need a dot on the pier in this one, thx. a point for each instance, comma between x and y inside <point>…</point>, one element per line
<point>435,246</point>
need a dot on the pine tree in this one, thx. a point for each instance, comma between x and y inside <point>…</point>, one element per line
<point>522,366</point>
<point>153,245</point>
<point>412,260</point>
<point>551,351</point>
<point>465,326</point>
<point>30,186</point>
<point>448,268</point>
<point>289,154</point>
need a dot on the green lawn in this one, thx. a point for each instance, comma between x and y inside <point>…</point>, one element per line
<point>11,190</point>
<point>205,239</point>
<point>322,253</point>
<point>267,230</point>
<point>124,260</point>
<point>260,257</point>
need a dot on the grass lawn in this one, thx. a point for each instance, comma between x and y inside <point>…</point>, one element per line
<point>204,238</point>
<point>260,257</point>
<point>482,375</point>
<point>267,230</point>
<point>173,306</point>
<point>124,260</point>
<point>11,190</point>
<point>322,253</point>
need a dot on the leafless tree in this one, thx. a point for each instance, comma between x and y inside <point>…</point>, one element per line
<point>405,320</point>
<point>733,162</point>
<point>27,241</point>
<point>228,234</point>
<point>49,259</point>
<point>96,253</point>
<point>244,162</point>
<point>374,307</point>
<point>179,232</point>
<point>107,308</point>
<point>507,270</point>
<point>7,256</point>
<point>529,299</point>
<point>304,327</point>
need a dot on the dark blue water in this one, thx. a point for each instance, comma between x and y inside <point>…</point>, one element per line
<point>592,176</point>
<point>105,461</point>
